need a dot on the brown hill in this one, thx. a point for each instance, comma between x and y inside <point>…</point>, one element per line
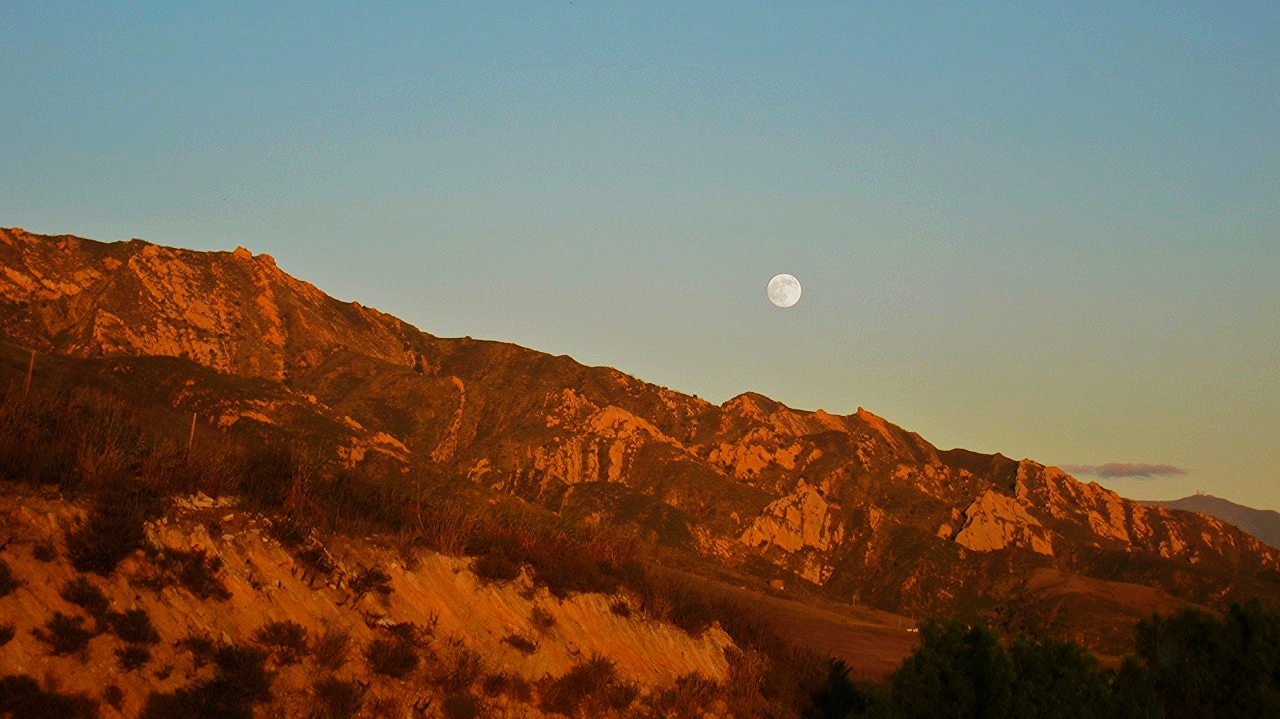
<point>850,508</point>
<point>1261,523</point>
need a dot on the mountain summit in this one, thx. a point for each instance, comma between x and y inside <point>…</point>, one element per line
<point>851,507</point>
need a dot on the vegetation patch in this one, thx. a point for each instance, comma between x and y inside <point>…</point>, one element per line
<point>86,595</point>
<point>133,657</point>
<point>370,579</point>
<point>591,687</point>
<point>44,552</point>
<point>462,705</point>
<point>520,643</point>
<point>196,571</point>
<point>239,682</point>
<point>65,634</point>
<point>115,527</point>
<point>332,648</point>
<point>287,641</point>
<point>395,657</point>
<point>8,582</point>
<point>133,626</point>
<point>21,696</point>
<point>333,698</point>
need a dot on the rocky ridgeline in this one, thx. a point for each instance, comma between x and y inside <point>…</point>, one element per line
<point>853,505</point>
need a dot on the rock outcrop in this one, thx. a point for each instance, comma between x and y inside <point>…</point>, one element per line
<point>852,504</point>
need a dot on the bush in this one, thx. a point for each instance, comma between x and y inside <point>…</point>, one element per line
<point>521,644</point>
<point>591,686</point>
<point>239,682</point>
<point>45,552</point>
<point>8,582</point>
<point>133,626</point>
<point>541,619</point>
<point>460,706</point>
<point>332,698</point>
<point>114,528</point>
<point>496,566</point>
<point>370,579</point>
<point>513,685</point>
<point>64,634</point>
<point>462,668</point>
<point>133,657</point>
<point>113,695</point>
<point>392,657</point>
<point>21,696</point>
<point>197,571</point>
<point>331,648</point>
<point>286,640</point>
<point>6,633</point>
<point>86,595</point>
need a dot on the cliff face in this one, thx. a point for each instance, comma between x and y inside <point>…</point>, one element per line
<point>852,505</point>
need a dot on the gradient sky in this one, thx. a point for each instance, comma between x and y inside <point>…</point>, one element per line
<point>1052,233</point>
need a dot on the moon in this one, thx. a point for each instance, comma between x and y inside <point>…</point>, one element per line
<point>784,290</point>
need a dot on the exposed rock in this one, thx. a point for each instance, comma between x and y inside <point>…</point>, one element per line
<point>801,519</point>
<point>995,521</point>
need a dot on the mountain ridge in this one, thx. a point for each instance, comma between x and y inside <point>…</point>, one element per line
<point>1261,523</point>
<point>850,506</point>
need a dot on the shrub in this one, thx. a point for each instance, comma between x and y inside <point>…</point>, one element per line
<point>520,643</point>
<point>6,633</point>
<point>196,571</point>
<point>8,582</point>
<point>541,618</point>
<point>133,657</point>
<point>620,608</point>
<point>392,657</point>
<point>64,634</point>
<point>239,682</point>
<point>201,646</point>
<point>286,640</point>
<point>114,528</point>
<point>21,696</point>
<point>331,648</point>
<point>133,626</point>
<point>113,695</point>
<point>86,595</point>
<point>513,685</point>
<point>370,579</point>
<point>332,698</point>
<point>460,706</point>
<point>199,574</point>
<point>45,552</point>
<point>496,566</point>
<point>315,559</point>
<point>463,667</point>
<point>592,684</point>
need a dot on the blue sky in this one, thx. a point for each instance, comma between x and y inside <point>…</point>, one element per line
<point>1052,232</point>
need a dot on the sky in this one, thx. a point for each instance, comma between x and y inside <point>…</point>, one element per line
<point>1049,230</point>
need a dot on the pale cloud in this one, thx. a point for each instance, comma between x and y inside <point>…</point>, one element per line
<point>1124,470</point>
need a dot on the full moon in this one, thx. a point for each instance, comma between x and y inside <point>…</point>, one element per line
<point>784,290</point>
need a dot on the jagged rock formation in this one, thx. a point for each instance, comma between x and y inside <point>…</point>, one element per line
<point>855,506</point>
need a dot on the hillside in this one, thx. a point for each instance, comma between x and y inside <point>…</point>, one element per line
<point>155,625</point>
<point>1261,523</point>
<point>849,509</point>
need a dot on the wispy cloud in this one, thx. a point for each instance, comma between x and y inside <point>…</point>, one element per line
<point>1118,470</point>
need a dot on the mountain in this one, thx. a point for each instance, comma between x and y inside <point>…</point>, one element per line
<point>1261,523</point>
<point>850,509</point>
